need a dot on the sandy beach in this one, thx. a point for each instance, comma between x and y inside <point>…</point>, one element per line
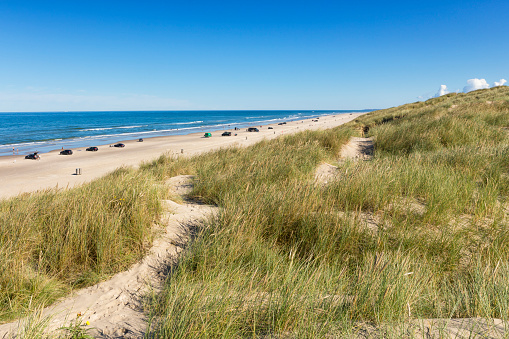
<point>20,175</point>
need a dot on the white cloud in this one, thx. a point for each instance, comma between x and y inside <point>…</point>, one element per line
<point>472,85</point>
<point>499,83</point>
<point>442,91</point>
<point>475,84</point>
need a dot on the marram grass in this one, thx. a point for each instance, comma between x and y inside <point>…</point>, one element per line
<point>420,231</point>
<point>55,240</point>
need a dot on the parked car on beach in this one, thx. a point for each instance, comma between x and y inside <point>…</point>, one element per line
<point>66,152</point>
<point>92,149</point>
<point>208,135</point>
<point>119,145</point>
<point>33,156</point>
<point>227,134</point>
<point>253,129</point>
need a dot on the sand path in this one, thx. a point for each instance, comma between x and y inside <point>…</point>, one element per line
<point>355,149</point>
<point>114,308</point>
<point>358,148</point>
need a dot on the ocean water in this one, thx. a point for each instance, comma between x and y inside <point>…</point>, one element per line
<point>46,131</point>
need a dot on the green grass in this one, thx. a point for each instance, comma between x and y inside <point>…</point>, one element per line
<point>420,231</point>
<point>53,241</point>
<point>289,258</point>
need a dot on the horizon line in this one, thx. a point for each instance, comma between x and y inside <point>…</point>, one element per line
<point>197,110</point>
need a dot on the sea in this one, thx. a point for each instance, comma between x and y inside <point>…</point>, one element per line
<point>27,132</point>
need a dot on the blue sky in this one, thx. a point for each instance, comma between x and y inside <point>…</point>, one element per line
<point>194,55</point>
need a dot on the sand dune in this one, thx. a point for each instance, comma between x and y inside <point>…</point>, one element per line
<point>114,307</point>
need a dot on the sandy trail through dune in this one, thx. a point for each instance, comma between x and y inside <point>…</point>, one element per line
<point>114,308</point>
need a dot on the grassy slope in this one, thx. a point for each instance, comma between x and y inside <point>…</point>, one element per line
<point>286,256</point>
<point>53,241</point>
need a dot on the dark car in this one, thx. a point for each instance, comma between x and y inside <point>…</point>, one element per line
<point>119,145</point>
<point>92,149</point>
<point>33,156</point>
<point>140,140</point>
<point>66,152</point>
<point>270,127</point>
<point>227,134</point>
<point>253,129</point>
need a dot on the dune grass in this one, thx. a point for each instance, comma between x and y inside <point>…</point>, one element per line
<point>56,240</point>
<point>290,258</point>
<point>420,231</point>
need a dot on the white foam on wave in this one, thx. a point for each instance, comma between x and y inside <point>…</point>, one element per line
<point>109,128</point>
<point>178,128</point>
<point>188,123</point>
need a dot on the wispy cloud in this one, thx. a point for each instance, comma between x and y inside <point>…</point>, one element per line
<point>36,101</point>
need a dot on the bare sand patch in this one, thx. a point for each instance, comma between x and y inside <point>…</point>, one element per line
<point>324,173</point>
<point>355,149</point>
<point>460,328</point>
<point>358,148</point>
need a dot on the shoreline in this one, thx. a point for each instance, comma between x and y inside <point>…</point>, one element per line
<point>80,129</point>
<point>21,175</point>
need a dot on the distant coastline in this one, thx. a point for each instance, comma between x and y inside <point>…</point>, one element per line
<point>26,132</point>
<point>55,170</point>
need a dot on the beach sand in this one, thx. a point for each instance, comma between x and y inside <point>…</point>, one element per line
<point>20,175</point>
